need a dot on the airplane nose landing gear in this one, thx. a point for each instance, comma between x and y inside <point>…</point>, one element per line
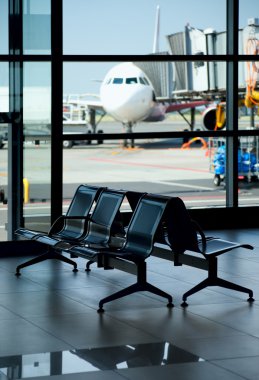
<point>128,128</point>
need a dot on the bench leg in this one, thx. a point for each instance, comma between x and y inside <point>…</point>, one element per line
<point>195,289</point>
<point>133,289</point>
<point>217,282</point>
<point>45,256</point>
<point>214,280</point>
<point>87,267</point>
<point>140,285</point>
<point>239,288</point>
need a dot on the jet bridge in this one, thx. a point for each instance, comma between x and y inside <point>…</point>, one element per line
<point>160,75</point>
<point>208,77</point>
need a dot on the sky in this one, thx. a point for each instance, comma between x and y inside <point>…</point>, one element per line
<point>110,27</point>
<point>127,27</point>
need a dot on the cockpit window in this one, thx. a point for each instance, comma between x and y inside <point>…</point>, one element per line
<point>141,80</point>
<point>131,80</point>
<point>117,80</point>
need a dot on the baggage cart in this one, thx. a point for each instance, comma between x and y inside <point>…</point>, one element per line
<point>248,159</point>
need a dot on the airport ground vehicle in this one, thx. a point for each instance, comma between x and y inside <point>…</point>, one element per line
<point>74,126</point>
<point>37,133</point>
<point>248,159</point>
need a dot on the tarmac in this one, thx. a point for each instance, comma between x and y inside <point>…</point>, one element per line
<point>162,166</point>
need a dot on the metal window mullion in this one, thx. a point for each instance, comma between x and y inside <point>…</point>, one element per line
<point>15,132</point>
<point>56,109</point>
<point>232,104</point>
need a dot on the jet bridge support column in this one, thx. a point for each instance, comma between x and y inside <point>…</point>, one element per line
<point>192,118</point>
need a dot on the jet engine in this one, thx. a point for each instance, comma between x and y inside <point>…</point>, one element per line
<point>214,117</point>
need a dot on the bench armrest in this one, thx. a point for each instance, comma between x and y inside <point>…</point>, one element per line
<point>58,224</point>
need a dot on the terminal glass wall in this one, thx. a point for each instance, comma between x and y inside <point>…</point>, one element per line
<point>175,156</point>
<point>180,162</point>
<point>4,126</point>
<point>188,79</point>
<point>36,27</point>
<point>37,146</point>
<point>4,27</point>
<point>37,115</point>
<point>4,87</point>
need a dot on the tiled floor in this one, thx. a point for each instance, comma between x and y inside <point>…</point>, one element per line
<point>50,328</point>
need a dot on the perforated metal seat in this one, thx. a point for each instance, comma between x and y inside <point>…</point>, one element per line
<point>105,226</point>
<point>184,234</point>
<point>138,246</point>
<point>67,229</point>
<point>72,225</point>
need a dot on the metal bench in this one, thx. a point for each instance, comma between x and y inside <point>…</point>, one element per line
<point>141,231</point>
<point>106,228</point>
<point>190,246</point>
<point>69,228</point>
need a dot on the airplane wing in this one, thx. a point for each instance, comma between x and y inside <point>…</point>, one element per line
<point>167,107</point>
<point>171,107</point>
<point>163,107</point>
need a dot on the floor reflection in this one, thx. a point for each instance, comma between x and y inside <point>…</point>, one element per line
<point>96,359</point>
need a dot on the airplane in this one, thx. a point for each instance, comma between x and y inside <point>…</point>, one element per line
<point>127,94</point>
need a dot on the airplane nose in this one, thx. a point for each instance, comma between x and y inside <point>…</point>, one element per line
<point>131,110</point>
<point>128,104</point>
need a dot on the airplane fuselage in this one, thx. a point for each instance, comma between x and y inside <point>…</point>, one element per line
<point>127,94</point>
